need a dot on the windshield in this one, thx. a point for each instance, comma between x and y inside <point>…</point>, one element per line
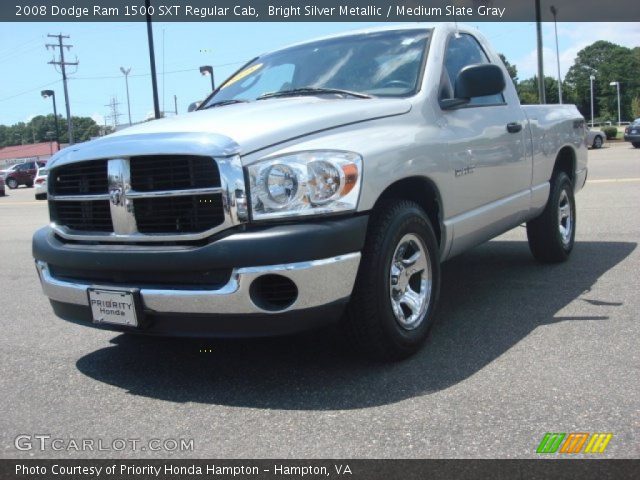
<point>386,63</point>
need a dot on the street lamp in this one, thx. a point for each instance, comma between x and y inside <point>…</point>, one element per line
<point>591,79</point>
<point>617,84</point>
<point>52,94</point>
<point>554,11</point>
<point>125,72</point>
<point>208,70</point>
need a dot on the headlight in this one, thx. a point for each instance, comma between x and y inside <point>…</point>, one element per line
<point>305,183</point>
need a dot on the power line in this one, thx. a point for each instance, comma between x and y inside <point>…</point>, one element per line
<point>11,49</point>
<point>63,66</point>
<point>109,77</point>
<point>28,91</point>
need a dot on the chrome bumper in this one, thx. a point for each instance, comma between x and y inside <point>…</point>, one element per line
<point>319,282</point>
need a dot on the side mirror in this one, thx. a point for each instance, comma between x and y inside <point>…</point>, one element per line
<point>475,81</point>
<point>194,106</point>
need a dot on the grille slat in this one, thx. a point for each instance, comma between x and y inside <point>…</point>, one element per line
<point>80,178</point>
<point>83,216</point>
<point>210,279</point>
<point>178,214</point>
<point>173,173</point>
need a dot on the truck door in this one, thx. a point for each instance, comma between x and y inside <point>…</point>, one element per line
<point>490,170</point>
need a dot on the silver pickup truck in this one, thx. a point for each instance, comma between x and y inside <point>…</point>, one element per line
<point>323,182</point>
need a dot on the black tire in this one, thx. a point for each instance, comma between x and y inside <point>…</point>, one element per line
<point>29,185</point>
<point>635,144</point>
<point>597,142</point>
<point>12,183</point>
<point>370,320</point>
<point>546,241</point>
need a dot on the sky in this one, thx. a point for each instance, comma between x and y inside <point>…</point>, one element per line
<point>102,48</point>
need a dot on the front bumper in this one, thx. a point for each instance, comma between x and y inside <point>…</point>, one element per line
<point>324,279</point>
<point>631,138</point>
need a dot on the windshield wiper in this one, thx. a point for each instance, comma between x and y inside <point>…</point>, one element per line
<point>311,91</point>
<point>222,103</point>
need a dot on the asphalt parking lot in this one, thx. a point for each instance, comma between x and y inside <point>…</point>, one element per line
<point>519,349</point>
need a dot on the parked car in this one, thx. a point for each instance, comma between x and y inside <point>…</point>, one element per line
<point>6,171</point>
<point>22,174</point>
<point>323,182</point>
<point>41,183</point>
<point>2,191</point>
<point>632,133</point>
<point>595,138</point>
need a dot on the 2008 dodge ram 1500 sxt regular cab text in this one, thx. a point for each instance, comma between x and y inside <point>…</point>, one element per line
<point>324,181</point>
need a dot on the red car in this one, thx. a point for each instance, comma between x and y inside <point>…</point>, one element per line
<point>22,174</point>
<point>1,187</point>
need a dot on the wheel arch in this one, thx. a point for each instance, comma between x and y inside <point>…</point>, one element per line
<point>565,162</point>
<point>425,193</point>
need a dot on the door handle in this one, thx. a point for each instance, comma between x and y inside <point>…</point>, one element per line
<point>514,127</point>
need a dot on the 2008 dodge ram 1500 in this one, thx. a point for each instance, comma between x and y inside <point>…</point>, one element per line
<point>324,181</point>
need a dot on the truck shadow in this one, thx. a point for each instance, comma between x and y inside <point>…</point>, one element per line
<point>492,297</point>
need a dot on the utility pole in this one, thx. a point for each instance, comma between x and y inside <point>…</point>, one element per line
<point>115,114</point>
<point>541,93</point>
<point>152,61</point>
<point>63,64</point>
<point>175,103</point>
<point>554,12</point>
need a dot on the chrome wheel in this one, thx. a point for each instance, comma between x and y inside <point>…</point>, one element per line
<point>410,282</point>
<point>565,218</point>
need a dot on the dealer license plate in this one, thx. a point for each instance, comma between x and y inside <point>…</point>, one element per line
<point>116,307</point>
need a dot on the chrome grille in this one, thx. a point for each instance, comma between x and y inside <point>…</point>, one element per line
<point>147,198</point>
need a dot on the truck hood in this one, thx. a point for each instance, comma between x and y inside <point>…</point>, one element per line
<point>238,128</point>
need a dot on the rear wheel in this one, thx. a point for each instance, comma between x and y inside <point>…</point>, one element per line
<point>636,144</point>
<point>551,235</point>
<point>394,299</point>
<point>12,183</point>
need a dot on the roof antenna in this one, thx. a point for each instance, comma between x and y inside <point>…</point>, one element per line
<point>455,21</point>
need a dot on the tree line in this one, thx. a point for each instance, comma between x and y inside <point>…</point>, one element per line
<point>607,62</point>
<point>42,128</point>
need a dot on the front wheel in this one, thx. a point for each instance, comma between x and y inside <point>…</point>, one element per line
<point>635,144</point>
<point>551,235</point>
<point>394,299</point>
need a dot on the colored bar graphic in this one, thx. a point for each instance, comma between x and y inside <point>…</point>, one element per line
<point>574,443</point>
<point>550,442</point>
<point>598,443</point>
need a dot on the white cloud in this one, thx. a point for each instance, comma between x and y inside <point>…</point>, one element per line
<point>573,38</point>
<point>98,118</point>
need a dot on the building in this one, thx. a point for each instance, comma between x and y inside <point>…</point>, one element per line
<point>24,153</point>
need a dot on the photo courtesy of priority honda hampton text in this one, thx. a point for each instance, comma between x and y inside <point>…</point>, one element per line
<point>323,182</point>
